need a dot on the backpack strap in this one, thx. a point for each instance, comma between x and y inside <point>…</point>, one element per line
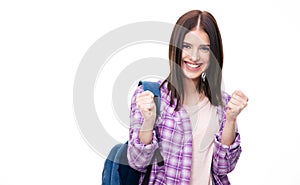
<point>154,88</point>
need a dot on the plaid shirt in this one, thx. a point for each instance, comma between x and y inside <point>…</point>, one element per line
<point>175,143</point>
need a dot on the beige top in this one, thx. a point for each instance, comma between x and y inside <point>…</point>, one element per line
<point>204,125</point>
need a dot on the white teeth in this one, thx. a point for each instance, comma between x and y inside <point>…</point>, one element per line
<point>193,65</point>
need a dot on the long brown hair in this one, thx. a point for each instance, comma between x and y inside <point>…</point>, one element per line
<point>211,87</point>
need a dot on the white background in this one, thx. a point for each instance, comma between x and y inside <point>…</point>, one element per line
<point>43,42</point>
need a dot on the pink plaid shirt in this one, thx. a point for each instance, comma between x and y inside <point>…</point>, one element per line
<point>175,143</point>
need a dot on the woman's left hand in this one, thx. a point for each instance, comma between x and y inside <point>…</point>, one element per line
<point>236,104</point>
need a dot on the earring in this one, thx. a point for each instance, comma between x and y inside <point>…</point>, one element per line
<point>203,76</point>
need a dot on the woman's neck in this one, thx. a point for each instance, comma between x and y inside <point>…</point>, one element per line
<point>191,94</point>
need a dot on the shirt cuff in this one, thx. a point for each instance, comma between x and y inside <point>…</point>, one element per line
<point>149,148</point>
<point>223,150</point>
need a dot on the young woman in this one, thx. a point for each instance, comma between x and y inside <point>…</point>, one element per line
<point>196,130</point>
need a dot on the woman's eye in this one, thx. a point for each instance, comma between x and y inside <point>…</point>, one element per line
<point>185,46</point>
<point>205,49</point>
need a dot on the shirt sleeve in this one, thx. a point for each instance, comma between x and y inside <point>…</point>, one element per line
<point>225,157</point>
<point>139,155</point>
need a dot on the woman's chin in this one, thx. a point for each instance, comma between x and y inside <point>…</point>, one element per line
<point>189,76</point>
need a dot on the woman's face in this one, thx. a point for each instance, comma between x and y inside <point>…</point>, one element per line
<point>195,53</point>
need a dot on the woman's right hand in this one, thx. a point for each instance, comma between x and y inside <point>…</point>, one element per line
<point>146,104</point>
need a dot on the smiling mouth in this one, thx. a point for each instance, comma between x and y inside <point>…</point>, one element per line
<point>194,66</point>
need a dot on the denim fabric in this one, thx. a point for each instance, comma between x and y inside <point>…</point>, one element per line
<point>109,176</point>
<point>116,168</point>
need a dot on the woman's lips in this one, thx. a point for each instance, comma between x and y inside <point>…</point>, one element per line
<point>193,66</point>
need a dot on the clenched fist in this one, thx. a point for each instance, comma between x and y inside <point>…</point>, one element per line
<point>146,104</point>
<point>236,104</point>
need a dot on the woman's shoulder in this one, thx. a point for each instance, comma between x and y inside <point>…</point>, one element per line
<point>225,97</point>
<point>165,94</point>
<point>163,86</point>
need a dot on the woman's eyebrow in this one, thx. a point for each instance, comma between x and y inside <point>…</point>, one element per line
<point>199,45</point>
<point>187,43</point>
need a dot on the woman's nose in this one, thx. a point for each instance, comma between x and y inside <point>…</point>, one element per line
<point>195,55</point>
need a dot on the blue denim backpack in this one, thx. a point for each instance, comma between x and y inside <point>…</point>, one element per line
<point>116,168</point>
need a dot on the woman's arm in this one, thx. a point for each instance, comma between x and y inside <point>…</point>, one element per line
<point>146,132</point>
<point>225,157</point>
<point>229,132</point>
<point>237,103</point>
<point>227,147</point>
<point>142,138</point>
